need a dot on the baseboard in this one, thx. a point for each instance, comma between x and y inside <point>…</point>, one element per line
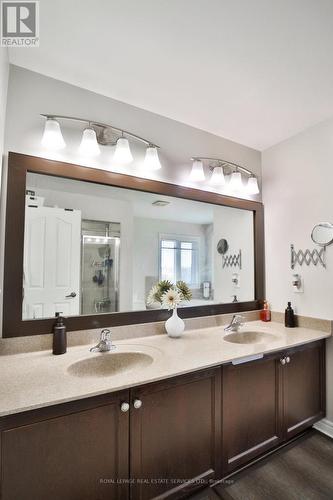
<point>325,426</point>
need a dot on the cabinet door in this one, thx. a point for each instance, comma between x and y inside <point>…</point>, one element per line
<point>251,410</point>
<point>176,435</point>
<point>77,456</point>
<point>304,388</point>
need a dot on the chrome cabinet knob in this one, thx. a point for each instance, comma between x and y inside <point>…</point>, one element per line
<point>124,407</point>
<point>137,403</point>
<point>287,359</point>
<point>283,361</point>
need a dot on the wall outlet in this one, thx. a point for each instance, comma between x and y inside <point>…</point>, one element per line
<point>297,283</point>
<point>235,280</point>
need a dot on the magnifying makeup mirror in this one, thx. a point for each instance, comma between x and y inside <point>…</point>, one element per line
<point>322,234</point>
<point>222,246</point>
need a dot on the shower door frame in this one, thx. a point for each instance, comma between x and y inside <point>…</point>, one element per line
<point>118,259</point>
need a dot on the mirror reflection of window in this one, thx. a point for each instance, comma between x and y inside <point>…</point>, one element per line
<point>179,260</point>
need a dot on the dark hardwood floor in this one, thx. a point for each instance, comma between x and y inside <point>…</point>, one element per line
<point>303,470</point>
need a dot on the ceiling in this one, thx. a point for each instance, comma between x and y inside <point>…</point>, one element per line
<point>178,209</point>
<point>255,72</point>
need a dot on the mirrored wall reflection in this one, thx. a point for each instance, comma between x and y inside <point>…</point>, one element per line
<point>100,252</point>
<point>92,249</point>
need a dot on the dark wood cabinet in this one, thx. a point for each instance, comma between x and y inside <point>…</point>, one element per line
<point>251,410</point>
<point>268,401</point>
<point>176,435</point>
<point>80,455</point>
<point>304,387</point>
<point>80,452</point>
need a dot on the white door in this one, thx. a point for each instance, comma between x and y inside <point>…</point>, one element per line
<point>52,257</point>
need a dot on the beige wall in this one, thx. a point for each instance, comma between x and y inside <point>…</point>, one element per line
<point>298,193</point>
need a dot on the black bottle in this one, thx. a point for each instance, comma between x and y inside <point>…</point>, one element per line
<point>59,335</point>
<point>289,317</point>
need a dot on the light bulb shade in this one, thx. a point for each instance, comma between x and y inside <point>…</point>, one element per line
<point>89,145</point>
<point>252,186</point>
<point>52,136</point>
<point>217,178</point>
<point>151,161</point>
<point>236,183</point>
<point>197,173</point>
<point>123,154</point>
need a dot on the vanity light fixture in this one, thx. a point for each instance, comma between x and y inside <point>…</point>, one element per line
<point>89,145</point>
<point>151,161</point>
<point>252,185</point>
<point>217,178</point>
<point>97,133</point>
<point>235,183</point>
<point>219,169</point>
<point>123,154</point>
<point>197,172</point>
<point>52,136</point>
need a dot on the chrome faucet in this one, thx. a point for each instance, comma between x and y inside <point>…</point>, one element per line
<point>105,343</point>
<point>235,324</point>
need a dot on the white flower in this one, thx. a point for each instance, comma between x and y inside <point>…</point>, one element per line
<point>151,299</point>
<point>171,299</point>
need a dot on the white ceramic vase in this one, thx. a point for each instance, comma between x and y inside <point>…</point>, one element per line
<point>174,325</point>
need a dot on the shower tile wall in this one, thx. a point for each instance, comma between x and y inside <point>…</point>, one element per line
<point>100,267</point>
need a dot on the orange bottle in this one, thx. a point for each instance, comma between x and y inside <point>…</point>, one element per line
<point>265,313</point>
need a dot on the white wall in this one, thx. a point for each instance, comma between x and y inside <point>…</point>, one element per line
<point>236,226</point>
<point>4,71</point>
<point>30,94</point>
<point>298,193</point>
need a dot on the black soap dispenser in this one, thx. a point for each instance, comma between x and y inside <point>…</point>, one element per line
<point>59,335</point>
<point>289,317</point>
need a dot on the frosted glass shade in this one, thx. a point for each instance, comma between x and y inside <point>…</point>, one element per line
<point>217,178</point>
<point>252,186</point>
<point>89,145</point>
<point>123,155</point>
<point>151,161</point>
<point>235,183</point>
<point>197,173</point>
<point>52,137</point>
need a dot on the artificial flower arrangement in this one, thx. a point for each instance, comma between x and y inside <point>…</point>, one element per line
<point>168,294</point>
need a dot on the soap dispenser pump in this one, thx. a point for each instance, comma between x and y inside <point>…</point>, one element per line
<point>59,335</point>
<point>289,317</point>
<point>265,313</point>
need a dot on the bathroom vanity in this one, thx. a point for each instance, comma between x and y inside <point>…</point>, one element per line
<point>157,417</point>
<point>208,419</point>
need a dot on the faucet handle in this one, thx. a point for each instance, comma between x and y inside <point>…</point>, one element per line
<point>105,342</point>
<point>239,318</point>
<point>106,335</point>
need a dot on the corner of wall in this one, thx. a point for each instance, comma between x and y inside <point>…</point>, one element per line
<point>4,74</point>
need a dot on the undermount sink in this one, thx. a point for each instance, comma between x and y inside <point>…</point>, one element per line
<point>249,337</point>
<point>110,363</point>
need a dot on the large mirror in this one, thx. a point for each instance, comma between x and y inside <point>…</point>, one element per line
<point>93,249</point>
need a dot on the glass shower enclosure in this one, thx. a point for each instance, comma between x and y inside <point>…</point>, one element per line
<point>100,266</point>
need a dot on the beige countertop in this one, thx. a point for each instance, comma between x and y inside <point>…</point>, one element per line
<point>38,379</point>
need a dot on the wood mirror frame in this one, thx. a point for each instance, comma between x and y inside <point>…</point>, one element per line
<point>18,167</point>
